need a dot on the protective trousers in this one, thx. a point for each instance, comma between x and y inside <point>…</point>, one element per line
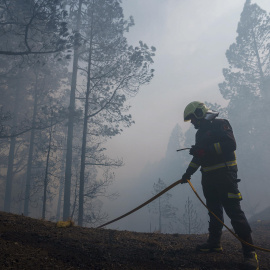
<point>220,189</point>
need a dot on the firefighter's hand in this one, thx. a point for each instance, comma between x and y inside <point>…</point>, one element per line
<point>185,177</point>
<point>197,151</point>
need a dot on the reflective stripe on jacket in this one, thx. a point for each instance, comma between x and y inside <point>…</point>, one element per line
<point>217,138</point>
<point>220,165</point>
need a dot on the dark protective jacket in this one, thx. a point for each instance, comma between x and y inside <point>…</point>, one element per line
<point>217,139</point>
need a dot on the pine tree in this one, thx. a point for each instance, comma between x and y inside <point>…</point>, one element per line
<point>162,206</point>
<point>249,56</point>
<point>112,71</point>
<point>190,220</point>
<point>32,27</point>
<point>246,86</point>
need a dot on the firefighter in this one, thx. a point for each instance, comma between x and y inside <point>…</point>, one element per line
<point>214,153</point>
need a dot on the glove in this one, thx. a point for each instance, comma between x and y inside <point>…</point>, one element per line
<point>185,177</point>
<point>197,151</point>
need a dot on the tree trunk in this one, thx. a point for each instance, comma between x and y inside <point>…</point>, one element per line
<point>68,174</point>
<point>189,217</point>
<point>85,127</point>
<point>159,210</point>
<point>83,151</point>
<point>8,190</point>
<point>59,203</point>
<point>30,155</point>
<point>61,187</point>
<point>74,205</point>
<point>46,176</point>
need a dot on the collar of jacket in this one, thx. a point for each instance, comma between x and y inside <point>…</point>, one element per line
<point>205,124</point>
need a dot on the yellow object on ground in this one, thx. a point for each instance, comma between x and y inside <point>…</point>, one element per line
<point>65,224</point>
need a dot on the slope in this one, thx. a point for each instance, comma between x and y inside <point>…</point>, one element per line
<point>27,243</point>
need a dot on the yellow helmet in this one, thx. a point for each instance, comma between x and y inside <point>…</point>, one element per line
<point>199,111</point>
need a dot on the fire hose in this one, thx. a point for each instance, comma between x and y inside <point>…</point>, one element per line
<point>197,195</point>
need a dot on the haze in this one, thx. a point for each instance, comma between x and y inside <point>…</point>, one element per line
<point>191,38</point>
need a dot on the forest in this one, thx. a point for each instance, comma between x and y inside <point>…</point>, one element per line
<point>67,74</point>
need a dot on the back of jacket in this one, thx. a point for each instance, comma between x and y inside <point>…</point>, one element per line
<point>217,138</point>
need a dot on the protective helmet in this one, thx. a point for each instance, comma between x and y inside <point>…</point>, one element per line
<point>199,110</point>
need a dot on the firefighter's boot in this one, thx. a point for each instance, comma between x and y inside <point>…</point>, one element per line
<point>251,261</point>
<point>250,257</point>
<point>212,245</point>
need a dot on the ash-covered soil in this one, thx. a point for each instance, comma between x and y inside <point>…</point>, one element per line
<point>27,243</point>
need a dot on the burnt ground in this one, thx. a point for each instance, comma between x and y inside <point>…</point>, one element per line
<point>27,243</point>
